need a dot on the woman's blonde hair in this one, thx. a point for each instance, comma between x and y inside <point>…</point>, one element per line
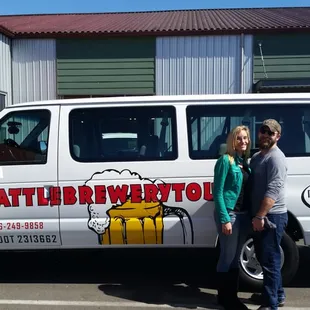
<point>232,141</point>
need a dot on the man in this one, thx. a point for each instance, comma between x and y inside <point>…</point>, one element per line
<point>269,211</point>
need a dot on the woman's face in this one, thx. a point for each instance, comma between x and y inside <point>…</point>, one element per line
<point>242,141</point>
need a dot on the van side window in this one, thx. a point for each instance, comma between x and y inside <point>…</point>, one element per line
<point>123,134</point>
<point>24,137</point>
<point>209,125</point>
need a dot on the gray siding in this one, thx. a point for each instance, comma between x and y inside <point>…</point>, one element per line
<point>34,70</point>
<point>203,65</point>
<point>6,71</point>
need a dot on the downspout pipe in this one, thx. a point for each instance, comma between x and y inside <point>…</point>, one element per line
<point>242,63</point>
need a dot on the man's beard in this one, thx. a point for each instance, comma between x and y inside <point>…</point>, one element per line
<point>265,144</point>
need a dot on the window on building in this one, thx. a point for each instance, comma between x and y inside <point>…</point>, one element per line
<point>2,101</point>
<point>24,137</point>
<point>208,127</point>
<point>123,134</point>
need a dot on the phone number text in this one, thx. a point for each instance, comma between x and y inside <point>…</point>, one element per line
<point>23,225</point>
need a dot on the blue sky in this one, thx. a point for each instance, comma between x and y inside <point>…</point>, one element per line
<point>81,6</point>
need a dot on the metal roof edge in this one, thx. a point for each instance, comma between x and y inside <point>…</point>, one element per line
<point>168,32</point>
<point>160,33</point>
<point>182,99</point>
<point>6,31</point>
<point>160,11</point>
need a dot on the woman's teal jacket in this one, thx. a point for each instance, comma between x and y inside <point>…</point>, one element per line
<point>227,186</point>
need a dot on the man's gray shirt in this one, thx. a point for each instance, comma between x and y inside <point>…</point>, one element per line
<point>269,174</point>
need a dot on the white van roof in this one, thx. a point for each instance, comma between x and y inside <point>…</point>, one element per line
<point>179,99</point>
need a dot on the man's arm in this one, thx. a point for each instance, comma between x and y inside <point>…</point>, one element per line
<point>276,171</point>
<point>266,205</point>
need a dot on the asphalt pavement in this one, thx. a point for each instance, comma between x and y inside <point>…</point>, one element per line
<point>131,279</point>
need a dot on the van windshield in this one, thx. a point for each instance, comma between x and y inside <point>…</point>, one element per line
<point>24,137</point>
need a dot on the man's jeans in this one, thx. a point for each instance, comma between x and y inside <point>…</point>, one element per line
<point>267,249</point>
<point>231,245</point>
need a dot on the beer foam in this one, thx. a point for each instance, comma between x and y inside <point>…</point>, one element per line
<point>99,225</point>
<point>99,221</point>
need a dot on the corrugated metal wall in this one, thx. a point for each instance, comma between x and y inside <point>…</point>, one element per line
<point>203,65</point>
<point>246,63</point>
<point>5,68</point>
<point>34,69</point>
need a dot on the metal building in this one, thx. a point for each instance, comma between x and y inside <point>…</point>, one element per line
<point>147,53</point>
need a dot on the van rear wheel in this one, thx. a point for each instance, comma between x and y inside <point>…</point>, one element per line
<point>251,274</point>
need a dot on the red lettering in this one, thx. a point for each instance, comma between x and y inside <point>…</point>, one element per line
<point>69,194</point>
<point>55,194</point>
<point>151,191</point>
<point>15,193</point>
<point>165,191</point>
<point>118,193</point>
<point>42,201</point>
<point>136,193</point>
<point>178,188</point>
<point>193,191</point>
<point>4,200</point>
<point>28,193</point>
<point>85,194</point>
<point>207,191</point>
<point>100,194</point>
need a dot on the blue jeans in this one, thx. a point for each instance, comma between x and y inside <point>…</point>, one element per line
<point>231,245</point>
<point>267,248</point>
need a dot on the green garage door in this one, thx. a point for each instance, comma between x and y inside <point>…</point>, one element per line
<point>106,67</point>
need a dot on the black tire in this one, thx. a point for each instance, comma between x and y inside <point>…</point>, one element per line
<point>291,259</point>
<point>289,268</point>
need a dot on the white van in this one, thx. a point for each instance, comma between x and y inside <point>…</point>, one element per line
<point>138,171</point>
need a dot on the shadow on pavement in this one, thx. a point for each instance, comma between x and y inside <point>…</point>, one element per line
<point>302,277</point>
<point>157,276</point>
<point>101,266</point>
<point>161,294</point>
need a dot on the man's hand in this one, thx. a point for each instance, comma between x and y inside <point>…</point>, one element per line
<point>227,229</point>
<point>258,224</point>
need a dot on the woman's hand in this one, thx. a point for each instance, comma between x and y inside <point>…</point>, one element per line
<point>227,228</point>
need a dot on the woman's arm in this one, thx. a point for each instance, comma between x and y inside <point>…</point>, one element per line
<point>220,172</point>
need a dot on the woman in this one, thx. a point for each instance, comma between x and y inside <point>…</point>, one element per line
<point>230,194</point>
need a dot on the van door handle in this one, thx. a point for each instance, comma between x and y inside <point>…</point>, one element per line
<point>47,192</point>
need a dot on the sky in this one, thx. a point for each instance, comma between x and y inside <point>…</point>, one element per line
<point>13,7</point>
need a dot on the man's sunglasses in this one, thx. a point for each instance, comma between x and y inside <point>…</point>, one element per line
<point>263,130</point>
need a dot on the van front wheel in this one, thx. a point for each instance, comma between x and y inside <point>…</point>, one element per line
<point>251,274</point>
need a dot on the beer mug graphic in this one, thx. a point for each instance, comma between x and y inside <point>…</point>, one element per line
<point>136,222</point>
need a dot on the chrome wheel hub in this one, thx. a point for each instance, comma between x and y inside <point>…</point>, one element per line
<point>249,262</point>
